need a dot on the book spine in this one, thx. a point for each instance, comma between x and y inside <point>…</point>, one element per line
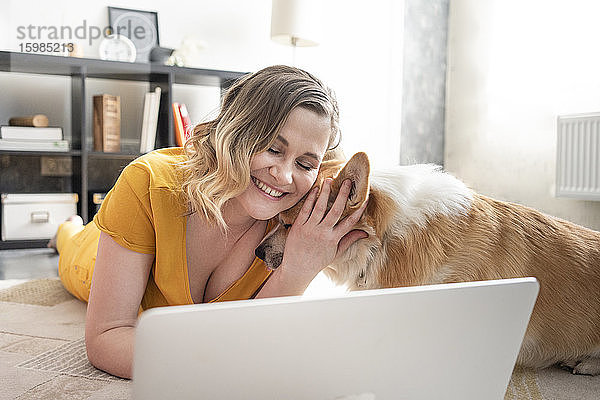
<point>186,121</point>
<point>154,119</point>
<point>30,133</point>
<point>112,124</point>
<point>33,145</point>
<point>98,123</point>
<point>145,122</point>
<point>107,123</point>
<point>178,125</point>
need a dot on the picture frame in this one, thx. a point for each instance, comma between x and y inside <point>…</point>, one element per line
<point>141,27</point>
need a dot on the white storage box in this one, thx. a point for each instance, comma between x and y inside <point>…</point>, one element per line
<point>35,216</point>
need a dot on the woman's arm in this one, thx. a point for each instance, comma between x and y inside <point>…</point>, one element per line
<point>118,285</point>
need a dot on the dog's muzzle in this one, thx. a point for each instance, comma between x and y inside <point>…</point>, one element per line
<point>270,250</point>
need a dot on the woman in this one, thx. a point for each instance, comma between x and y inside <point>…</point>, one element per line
<point>181,224</point>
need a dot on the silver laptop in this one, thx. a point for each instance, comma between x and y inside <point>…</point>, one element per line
<point>451,341</point>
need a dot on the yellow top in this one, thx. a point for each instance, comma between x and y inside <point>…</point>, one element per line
<point>143,212</point>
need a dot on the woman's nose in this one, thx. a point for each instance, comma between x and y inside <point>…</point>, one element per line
<point>282,173</point>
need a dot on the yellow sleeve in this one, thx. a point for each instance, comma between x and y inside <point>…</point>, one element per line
<point>126,213</point>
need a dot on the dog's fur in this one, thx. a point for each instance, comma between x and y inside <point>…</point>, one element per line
<point>427,227</point>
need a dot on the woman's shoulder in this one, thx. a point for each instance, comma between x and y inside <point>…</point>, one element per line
<point>162,156</point>
<point>160,166</point>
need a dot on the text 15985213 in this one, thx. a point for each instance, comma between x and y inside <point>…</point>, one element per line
<point>45,47</point>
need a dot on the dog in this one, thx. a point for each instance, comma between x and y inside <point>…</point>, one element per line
<point>426,227</point>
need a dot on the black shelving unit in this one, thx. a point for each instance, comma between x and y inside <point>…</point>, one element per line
<point>79,70</point>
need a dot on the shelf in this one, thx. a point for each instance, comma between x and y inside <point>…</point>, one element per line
<point>104,69</point>
<point>72,153</point>
<point>38,64</point>
<point>99,154</point>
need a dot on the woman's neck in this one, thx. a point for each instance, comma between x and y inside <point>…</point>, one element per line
<point>237,219</point>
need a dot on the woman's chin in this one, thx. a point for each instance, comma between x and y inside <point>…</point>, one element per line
<point>268,211</point>
<point>264,215</point>
<point>263,209</point>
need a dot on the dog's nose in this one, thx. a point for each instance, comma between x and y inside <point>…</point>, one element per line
<point>260,252</point>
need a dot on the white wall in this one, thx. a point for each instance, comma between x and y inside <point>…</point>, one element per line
<point>513,67</point>
<point>359,55</point>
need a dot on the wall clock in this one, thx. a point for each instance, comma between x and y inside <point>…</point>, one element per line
<point>117,48</point>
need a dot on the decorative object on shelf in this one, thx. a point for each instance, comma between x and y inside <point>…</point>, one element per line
<point>37,120</point>
<point>107,123</point>
<point>141,27</point>
<point>160,54</point>
<point>117,48</point>
<point>35,215</point>
<point>29,138</point>
<point>296,23</point>
<point>187,53</point>
<point>75,51</point>
<point>175,60</point>
<point>150,120</point>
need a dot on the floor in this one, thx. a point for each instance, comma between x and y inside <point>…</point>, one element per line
<point>25,264</point>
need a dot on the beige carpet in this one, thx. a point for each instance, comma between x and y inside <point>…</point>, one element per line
<point>42,354</point>
<point>42,351</point>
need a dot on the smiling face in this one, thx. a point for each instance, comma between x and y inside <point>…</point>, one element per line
<point>283,174</point>
<point>357,170</point>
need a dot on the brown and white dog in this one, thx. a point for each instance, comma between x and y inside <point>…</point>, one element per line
<point>426,227</point>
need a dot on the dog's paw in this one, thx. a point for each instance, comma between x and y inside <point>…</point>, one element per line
<point>587,366</point>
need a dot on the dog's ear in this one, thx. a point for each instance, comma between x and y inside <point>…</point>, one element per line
<point>357,169</point>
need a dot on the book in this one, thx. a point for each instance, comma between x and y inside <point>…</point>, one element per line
<point>38,120</point>
<point>154,112</point>
<point>179,133</point>
<point>34,145</point>
<point>30,133</point>
<point>145,120</point>
<point>107,123</point>
<point>150,120</point>
<point>186,121</point>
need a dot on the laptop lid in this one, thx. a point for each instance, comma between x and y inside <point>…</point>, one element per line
<point>449,341</point>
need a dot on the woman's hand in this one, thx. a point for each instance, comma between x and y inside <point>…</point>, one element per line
<point>315,239</point>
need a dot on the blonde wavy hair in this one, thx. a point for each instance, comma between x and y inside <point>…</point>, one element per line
<point>252,113</point>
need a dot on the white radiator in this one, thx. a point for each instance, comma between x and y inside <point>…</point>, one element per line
<point>578,156</point>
